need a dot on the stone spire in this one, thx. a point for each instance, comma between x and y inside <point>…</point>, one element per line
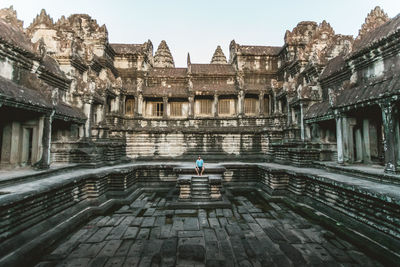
<point>374,19</point>
<point>163,57</point>
<point>218,57</point>
<point>10,16</point>
<point>41,20</point>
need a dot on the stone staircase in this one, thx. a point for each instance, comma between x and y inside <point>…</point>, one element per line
<point>200,188</point>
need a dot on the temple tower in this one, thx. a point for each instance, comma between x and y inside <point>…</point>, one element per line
<point>218,57</point>
<point>163,57</point>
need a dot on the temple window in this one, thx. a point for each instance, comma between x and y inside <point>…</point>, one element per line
<point>129,106</point>
<point>176,109</point>
<point>157,109</point>
<point>250,106</point>
<point>224,106</point>
<point>205,106</point>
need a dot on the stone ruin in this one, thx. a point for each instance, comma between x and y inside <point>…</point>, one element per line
<point>312,125</point>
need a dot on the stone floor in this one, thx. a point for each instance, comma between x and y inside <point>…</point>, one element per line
<point>251,233</point>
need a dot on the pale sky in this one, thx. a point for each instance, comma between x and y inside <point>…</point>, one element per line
<point>199,26</point>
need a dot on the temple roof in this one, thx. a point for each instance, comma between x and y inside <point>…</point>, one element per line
<point>174,90</point>
<point>213,69</point>
<point>377,89</point>
<point>334,65</point>
<point>16,37</point>
<point>67,112</point>
<point>10,91</point>
<point>128,48</point>
<point>212,88</point>
<point>318,110</point>
<point>168,72</point>
<point>375,36</point>
<point>256,50</point>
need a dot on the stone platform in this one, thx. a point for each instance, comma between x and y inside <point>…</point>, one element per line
<point>251,232</point>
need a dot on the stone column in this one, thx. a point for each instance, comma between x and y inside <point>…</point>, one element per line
<point>351,124</point>
<point>302,134</point>
<point>367,145</point>
<point>241,103</point>
<point>359,145</point>
<point>339,138</point>
<point>44,162</point>
<point>261,104</point>
<point>88,110</point>
<point>345,136</point>
<point>215,106</point>
<point>140,105</point>
<point>191,107</point>
<point>165,106</point>
<point>389,143</point>
<point>136,107</point>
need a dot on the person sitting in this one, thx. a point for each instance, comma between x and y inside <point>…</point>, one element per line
<point>199,166</point>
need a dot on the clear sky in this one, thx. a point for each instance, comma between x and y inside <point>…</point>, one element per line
<point>199,26</point>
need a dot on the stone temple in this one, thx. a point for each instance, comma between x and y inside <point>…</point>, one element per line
<point>98,141</point>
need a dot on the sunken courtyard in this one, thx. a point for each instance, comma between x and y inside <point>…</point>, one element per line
<point>98,143</point>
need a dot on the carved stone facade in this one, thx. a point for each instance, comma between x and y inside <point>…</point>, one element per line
<point>84,100</point>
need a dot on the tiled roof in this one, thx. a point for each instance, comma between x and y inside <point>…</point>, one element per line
<point>213,69</point>
<point>19,94</point>
<point>168,72</point>
<point>334,65</point>
<point>64,110</point>
<point>372,91</point>
<point>15,36</point>
<point>260,50</point>
<point>218,88</point>
<point>51,65</point>
<point>318,110</point>
<point>175,90</point>
<point>127,48</point>
<point>376,35</point>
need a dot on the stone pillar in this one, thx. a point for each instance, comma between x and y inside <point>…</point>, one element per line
<point>140,105</point>
<point>367,145</point>
<point>241,103</point>
<point>191,107</point>
<point>345,136</point>
<point>215,106</point>
<point>136,107</point>
<point>302,134</point>
<point>339,139</point>
<point>359,145</point>
<point>351,124</point>
<point>44,162</point>
<point>165,107</point>
<point>261,104</point>
<point>389,142</point>
<point>88,110</point>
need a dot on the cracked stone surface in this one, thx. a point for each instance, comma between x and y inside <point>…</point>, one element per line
<point>252,232</point>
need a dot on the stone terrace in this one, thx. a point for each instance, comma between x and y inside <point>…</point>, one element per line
<point>251,233</point>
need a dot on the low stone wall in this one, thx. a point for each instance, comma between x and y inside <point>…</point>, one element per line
<point>88,152</point>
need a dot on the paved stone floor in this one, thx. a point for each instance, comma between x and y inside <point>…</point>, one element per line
<point>251,233</point>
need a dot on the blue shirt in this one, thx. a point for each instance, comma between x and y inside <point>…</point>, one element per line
<point>199,163</point>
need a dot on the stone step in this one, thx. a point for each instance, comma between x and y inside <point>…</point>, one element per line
<point>203,188</point>
<point>200,197</point>
<point>199,181</point>
<point>199,193</point>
